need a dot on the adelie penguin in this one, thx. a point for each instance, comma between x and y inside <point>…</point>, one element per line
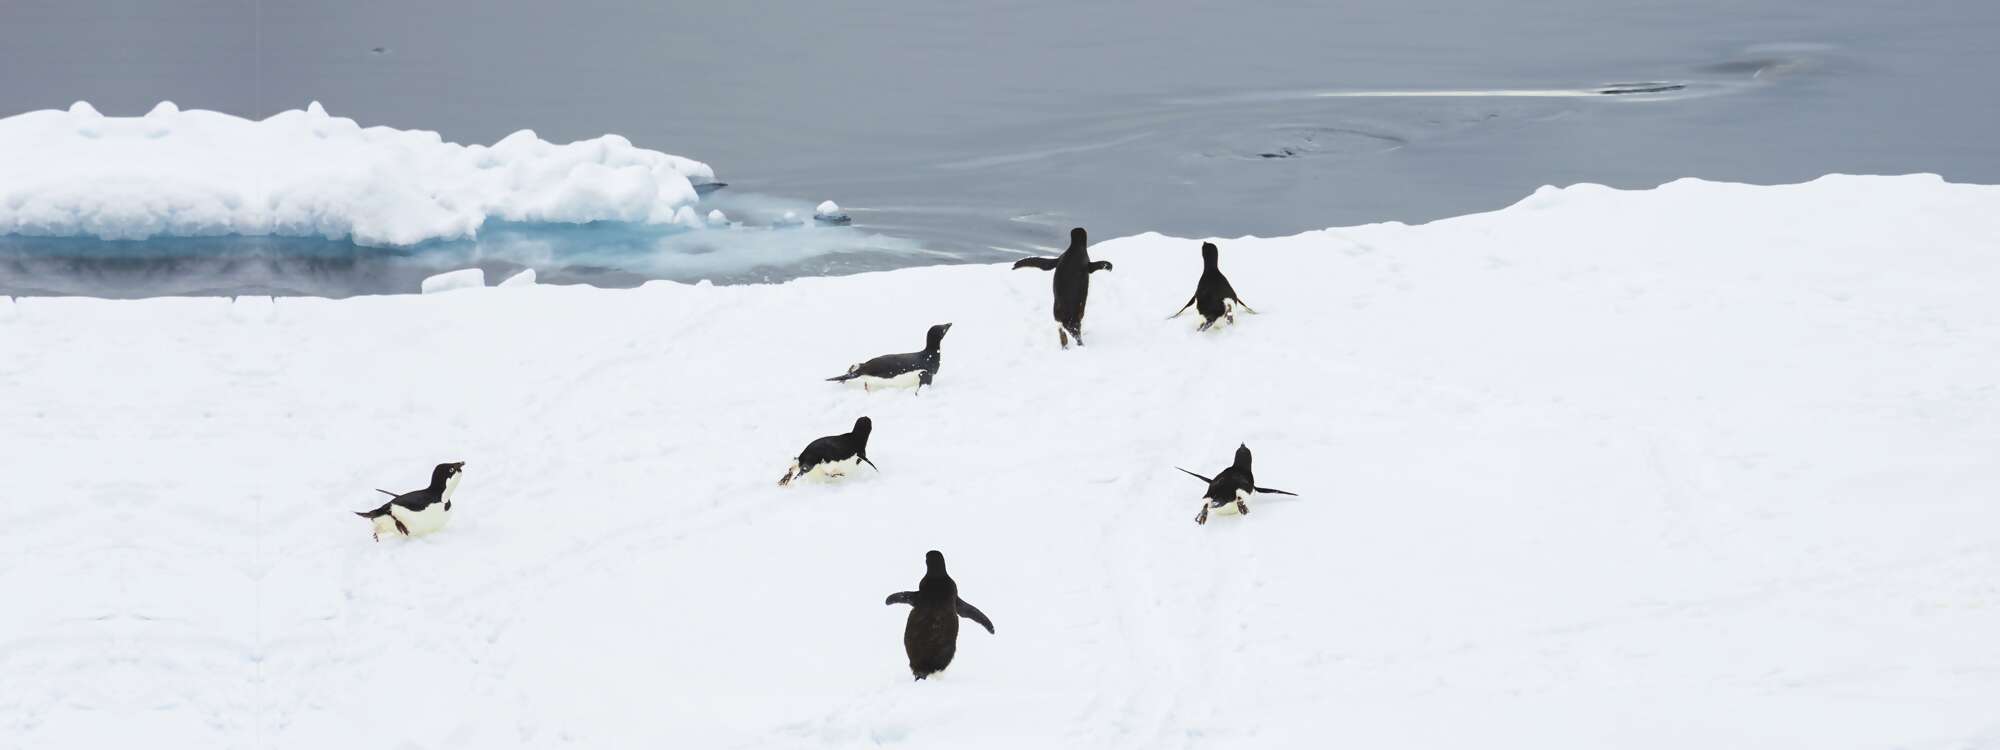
<point>1231,488</point>
<point>833,455</point>
<point>1072,284</point>
<point>1213,296</point>
<point>418,512</point>
<point>930,636</point>
<point>900,370</point>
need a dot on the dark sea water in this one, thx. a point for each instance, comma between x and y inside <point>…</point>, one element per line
<point>970,132</point>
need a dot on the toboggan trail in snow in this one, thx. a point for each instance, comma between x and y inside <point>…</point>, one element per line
<point>1707,465</point>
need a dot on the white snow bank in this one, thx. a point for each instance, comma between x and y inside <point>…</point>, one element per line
<point>524,277</point>
<point>303,173</point>
<point>464,278</point>
<point>1708,466</point>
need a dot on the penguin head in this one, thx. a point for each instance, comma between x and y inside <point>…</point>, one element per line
<point>446,476</point>
<point>1077,238</point>
<point>936,335</point>
<point>1210,254</point>
<point>934,561</point>
<point>1242,456</point>
<point>863,426</point>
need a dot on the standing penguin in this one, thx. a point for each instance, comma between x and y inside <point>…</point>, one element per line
<point>418,512</point>
<point>930,636</point>
<point>1212,294</point>
<point>1231,487</point>
<point>1072,283</point>
<point>900,369</point>
<point>833,455</point>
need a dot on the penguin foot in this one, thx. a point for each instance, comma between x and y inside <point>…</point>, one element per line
<point>1201,519</point>
<point>1241,508</point>
<point>1205,325</point>
<point>399,525</point>
<point>1063,336</point>
<point>786,480</point>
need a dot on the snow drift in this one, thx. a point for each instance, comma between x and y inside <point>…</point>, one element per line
<point>1703,466</point>
<point>303,173</point>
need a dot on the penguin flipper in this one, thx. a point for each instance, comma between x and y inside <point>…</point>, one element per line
<point>972,613</point>
<point>902,597</point>
<point>1184,308</point>
<point>386,492</point>
<point>1197,476</point>
<point>1102,265</point>
<point>1046,264</point>
<point>1270,491</point>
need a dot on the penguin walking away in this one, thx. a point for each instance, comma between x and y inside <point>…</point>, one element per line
<point>901,370</point>
<point>833,455</point>
<point>1231,487</point>
<point>1072,284</point>
<point>930,636</point>
<point>1212,294</point>
<point>418,512</point>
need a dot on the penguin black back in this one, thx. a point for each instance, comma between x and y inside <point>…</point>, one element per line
<point>1231,486</point>
<point>1212,292</point>
<point>1071,283</point>
<point>930,634</point>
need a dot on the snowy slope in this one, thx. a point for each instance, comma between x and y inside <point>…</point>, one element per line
<point>1706,466</point>
<point>304,173</point>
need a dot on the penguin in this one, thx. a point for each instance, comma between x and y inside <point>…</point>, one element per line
<point>930,636</point>
<point>900,370</point>
<point>833,455</point>
<point>1212,294</point>
<point>1231,487</point>
<point>1072,284</point>
<point>418,512</point>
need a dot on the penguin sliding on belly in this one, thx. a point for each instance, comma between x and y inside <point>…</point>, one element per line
<point>930,636</point>
<point>900,370</point>
<point>1213,296</point>
<point>1231,487</point>
<point>1072,284</point>
<point>418,512</point>
<point>833,455</point>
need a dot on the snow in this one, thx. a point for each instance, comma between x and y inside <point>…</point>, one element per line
<point>525,277</point>
<point>304,173</point>
<point>464,278</point>
<point>1708,465</point>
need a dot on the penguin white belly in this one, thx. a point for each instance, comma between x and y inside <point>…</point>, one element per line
<point>833,469</point>
<point>419,522</point>
<point>906,380</point>
<point>1229,509</point>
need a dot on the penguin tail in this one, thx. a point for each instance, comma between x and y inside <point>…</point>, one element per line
<point>871,464</point>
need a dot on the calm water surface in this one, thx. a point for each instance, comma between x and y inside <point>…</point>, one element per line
<point>958,133</point>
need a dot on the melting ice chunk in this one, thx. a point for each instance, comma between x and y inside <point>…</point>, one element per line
<point>465,278</point>
<point>829,213</point>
